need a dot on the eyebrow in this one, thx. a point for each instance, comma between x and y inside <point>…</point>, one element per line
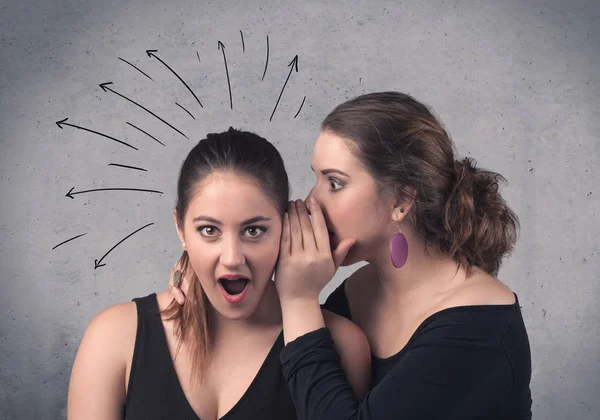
<point>250,221</point>
<point>329,171</point>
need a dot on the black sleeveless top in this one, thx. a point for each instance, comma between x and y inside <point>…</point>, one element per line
<point>154,391</point>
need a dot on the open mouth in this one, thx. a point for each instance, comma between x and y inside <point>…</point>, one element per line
<point>234,289</point>
<point>234,286</point>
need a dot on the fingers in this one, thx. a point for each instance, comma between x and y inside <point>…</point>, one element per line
<point>175,284</point>
<point>308,237</point>
<point>319,226</point>
<point>295,229</point>
<point>285,244</point>
<point>178,295</point>
<point>341,251</point>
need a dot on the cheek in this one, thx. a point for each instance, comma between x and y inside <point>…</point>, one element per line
<point>263,257</point>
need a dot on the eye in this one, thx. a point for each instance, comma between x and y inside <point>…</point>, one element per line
<point>335,185</point>
<point>208,231</point>
<point>255,231</point>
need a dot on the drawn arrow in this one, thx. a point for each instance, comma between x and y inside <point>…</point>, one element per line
<point>149,135</point>
<point>70,194</point>
<point>62,122</point>
<point>151,54</point>
<point>301,105</point>
<point>97,262</point>
<point>221,47</point>
<point>127,166</point>
<point>125,61</point>
<point>105,87</point>
<point>266,62</point>
<point>69,240</point>
<point>293,65</point>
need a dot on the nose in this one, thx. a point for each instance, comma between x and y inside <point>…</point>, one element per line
<point>311,194</point>
<point>232,255</point>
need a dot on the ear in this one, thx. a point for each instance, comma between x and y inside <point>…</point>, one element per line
<point>179,231</point>
<point>402,208</point>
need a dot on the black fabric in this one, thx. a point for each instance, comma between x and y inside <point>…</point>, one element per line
<point>154,391</point>
<point>468,362</point>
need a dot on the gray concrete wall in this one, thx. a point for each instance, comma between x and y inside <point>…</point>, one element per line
<point>516,82</point>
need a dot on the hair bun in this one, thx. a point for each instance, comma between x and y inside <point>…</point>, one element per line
<point>480,224</point>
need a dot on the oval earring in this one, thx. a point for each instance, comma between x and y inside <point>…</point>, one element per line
<point>183,245</point>
<point>398,248</point>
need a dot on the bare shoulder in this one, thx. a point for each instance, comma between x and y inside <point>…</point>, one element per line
<point>480,288</point>
<point>353,348</point>
<point>99,372</point>
<point>342,326</point>
<point>116,325</point>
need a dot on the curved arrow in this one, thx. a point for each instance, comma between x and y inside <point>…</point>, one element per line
<point>151,54</point>
<point>293,64</point>
<point>62,122</point>
<point>70,194</point>
<point>105,87</point>
<point>97,262</point>
<point>221,47</point>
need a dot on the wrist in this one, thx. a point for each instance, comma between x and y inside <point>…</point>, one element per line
<point>301,316</point>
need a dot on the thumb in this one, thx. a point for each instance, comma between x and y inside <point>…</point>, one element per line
<point>341,251</point>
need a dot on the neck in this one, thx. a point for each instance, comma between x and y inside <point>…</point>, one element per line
<point>425,273</point>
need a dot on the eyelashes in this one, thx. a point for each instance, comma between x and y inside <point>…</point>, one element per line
<point>209,231</point>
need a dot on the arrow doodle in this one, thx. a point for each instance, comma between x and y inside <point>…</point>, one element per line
<point>125,61</point>
<point>294,65</point>
<point>301,105</point>
<point>266,62</point>
<point>69,240</point>
<point>70,194</point>
<point>126,166</point>
<point>149,135</point>
<point>221,47</point>
<point>62,122</point>
<point>190,114</point>
<point>97,263</point>
<point>105,87</point>
<point>151,54</point>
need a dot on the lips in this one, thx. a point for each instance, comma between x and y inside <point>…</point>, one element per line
<point>234,287</point>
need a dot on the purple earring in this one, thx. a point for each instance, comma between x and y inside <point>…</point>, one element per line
<point>398,249</point>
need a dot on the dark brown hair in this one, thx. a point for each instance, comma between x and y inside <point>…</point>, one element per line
<point>243,153</point>
<point>457,209</point>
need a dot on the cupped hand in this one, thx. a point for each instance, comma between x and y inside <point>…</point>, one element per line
<point>306,262</point>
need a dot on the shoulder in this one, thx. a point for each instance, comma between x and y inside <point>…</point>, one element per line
<point>98,376</point>
<point>116,325</point>
<point>343,328</point>
<point>478,289</point>
<point>353,347</point>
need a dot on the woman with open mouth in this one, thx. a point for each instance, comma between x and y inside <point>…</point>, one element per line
<point>217,355</point>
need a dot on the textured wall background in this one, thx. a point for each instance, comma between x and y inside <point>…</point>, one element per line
<point>516,82</point>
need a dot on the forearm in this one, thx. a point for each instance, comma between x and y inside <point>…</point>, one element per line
<point>301,316</point>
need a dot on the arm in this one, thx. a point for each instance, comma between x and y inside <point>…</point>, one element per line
<point>432,381</point>
<point>97,385</point>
